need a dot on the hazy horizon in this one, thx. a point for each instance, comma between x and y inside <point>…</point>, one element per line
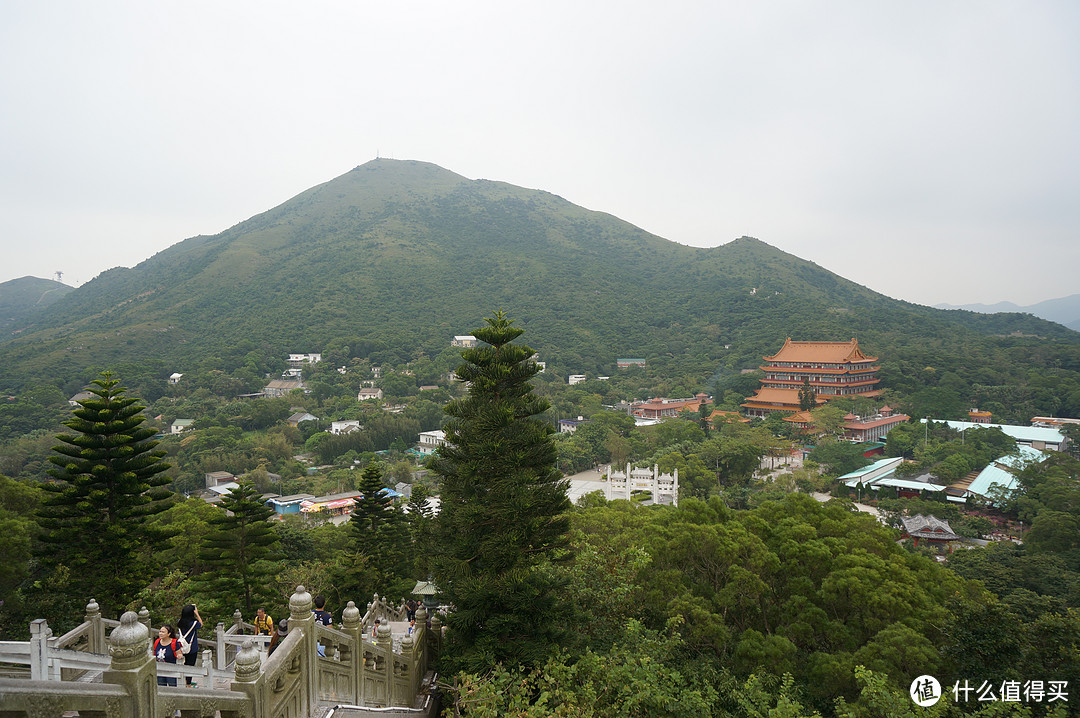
<point>926,152</point>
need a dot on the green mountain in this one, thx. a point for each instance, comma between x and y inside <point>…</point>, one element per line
<point>399,256</point>
<point>22,299</point>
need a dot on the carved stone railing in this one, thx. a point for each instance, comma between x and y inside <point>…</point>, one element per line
<point>358,669</point>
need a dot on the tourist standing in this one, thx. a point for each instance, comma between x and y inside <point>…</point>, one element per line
<point>280,630</point>
<point>264,624</point>
<point>166,650</point>
<point>322,616</point>
<point>189,624</point>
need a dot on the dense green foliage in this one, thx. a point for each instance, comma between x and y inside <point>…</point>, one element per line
<point>503,510</point>
<point>347,268</point>
<point>109,481</point>
<point>746,600</point>
<point>22,299</point>
<point>377,559</point>
<point>240,551</point>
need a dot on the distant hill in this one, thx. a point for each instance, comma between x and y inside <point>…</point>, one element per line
<point>23,298</point>
<point>1064,311</point>
<point>396,257</point>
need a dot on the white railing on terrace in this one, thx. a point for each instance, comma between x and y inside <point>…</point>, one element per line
<point>377,671</point>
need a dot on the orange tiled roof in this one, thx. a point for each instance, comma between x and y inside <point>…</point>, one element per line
<point>800,417</point>
<point>776,396</point>
<point>871,423</point>
<point>820,352</point>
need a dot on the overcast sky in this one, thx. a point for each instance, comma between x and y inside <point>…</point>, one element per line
<point>927,150</point>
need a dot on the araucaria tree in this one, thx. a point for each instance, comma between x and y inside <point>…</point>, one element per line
<point>377,558</point>
<point>109,481</point>
<point>241,553</point>
<point>503,511</point>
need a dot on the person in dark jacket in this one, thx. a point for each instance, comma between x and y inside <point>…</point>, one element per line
<point>189,624</point>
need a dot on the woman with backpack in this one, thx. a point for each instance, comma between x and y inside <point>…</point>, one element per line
<point>166,650</point>
<point>189,624</point>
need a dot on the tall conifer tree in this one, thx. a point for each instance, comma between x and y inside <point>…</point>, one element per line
<point>503,510</point>
<point>242,551</point>
<point>377,557</point>
<point>109,480</point>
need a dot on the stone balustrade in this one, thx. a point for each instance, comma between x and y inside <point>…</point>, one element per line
<point>380,671</point>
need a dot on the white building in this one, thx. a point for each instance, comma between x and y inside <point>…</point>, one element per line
<point>622,484</point>
<point>180,425</point>
<point>431,440</point>
<point>174,378</point>
<point>295,360</point>
<point>575,379</point>
<point>344,426</point>
<point>465,341</point>
<point>569,426</point>
<point>369,393</point>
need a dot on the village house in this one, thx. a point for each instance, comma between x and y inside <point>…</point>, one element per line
<point>285,505</point>
<point>215,479</point>
<point>298,360</point>
<point>369,393</point>
<point>627,363</point>
<point>344,426</point>
<point>431,440</point>
<point>300,416</point>
<point>180,425</point>
<point>81,396</point>
<point>569,426</point>
<point>174,378</point>
<point>281,387</point>
<point>464,341</point>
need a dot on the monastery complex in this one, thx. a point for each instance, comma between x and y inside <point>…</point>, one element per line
<point>834,370</point>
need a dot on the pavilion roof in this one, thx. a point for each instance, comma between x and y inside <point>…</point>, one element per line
<point>930,527</point>
<point>820,352</point>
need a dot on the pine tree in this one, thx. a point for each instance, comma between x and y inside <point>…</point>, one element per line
<point>421,522</point>
<point>377,560</point>
<point>503,511</point>
<point>807,395</point>
<point>109,481</point>
<point>241,552</point>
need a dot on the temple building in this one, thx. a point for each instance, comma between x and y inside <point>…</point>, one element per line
<point>835,370</point>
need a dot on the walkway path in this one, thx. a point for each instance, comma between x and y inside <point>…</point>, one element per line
<point>861,507</point>
<point>585,483</point>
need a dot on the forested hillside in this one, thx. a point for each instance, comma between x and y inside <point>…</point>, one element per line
<point>23,298</point>
<point>391,259</point>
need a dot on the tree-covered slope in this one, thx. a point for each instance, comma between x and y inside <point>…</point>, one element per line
<point>407,254</point>
<point>23,298</point>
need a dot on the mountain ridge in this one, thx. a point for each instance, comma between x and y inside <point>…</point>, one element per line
<point>404,254</point>
<point>1062,310</point>
<point>23,298</point>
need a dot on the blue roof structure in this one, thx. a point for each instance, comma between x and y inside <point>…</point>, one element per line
<point>1052,438</point>
<point>997,473</point>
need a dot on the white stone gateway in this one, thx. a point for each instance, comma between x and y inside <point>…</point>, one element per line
<point>622,484</point>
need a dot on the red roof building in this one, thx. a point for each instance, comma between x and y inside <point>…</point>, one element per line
<point>834,370</point>
<point>872,428</point>
<point>659,408</point>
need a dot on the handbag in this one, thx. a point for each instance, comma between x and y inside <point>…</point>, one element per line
<point>185,643</point>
